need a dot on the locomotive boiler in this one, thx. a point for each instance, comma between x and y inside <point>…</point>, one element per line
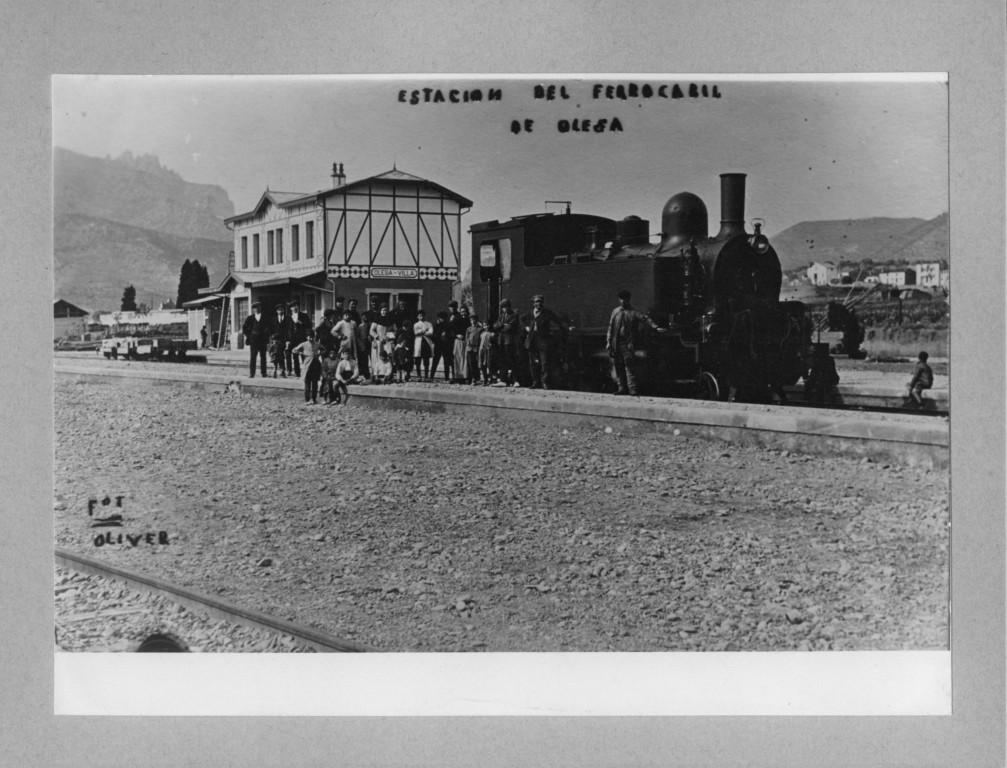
<point>719,297</point>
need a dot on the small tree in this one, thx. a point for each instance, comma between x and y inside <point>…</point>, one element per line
<point>128,299</point>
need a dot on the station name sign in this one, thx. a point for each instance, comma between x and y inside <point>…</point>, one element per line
<point>399,273</point>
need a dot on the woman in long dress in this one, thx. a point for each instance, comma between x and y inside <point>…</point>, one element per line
<point>380,328</point>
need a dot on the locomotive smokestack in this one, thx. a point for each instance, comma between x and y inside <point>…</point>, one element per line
<point>732,205</point>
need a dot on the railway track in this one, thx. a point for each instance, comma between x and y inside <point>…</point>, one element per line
<point>214,607</point>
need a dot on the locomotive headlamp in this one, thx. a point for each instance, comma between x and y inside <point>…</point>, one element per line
<point>759,241</point>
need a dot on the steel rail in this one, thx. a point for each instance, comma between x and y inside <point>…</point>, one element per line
<point>216,608</point>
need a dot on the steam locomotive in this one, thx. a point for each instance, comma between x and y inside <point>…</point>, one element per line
<point>729,333</point>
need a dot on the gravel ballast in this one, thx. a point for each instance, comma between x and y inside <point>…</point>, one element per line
<point>411,531</point>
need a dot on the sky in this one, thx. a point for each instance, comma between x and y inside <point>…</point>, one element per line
<point>814,148</point>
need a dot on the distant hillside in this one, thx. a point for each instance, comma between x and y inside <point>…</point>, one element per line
<point>858,239</point>
<point>97,258</point>
<point>131,221</point>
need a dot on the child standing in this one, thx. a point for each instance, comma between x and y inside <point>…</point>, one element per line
<point>487,343</point>
<point>308,350</point>
<point>402,358</point>
<point>381,369</point>
<point>329,365</point>
<point>275,350</point>
<point>923,378</point>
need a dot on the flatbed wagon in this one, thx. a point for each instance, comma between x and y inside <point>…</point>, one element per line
<point>147,348</point>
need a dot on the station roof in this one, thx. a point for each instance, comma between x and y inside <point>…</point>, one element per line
<point>394,176</point>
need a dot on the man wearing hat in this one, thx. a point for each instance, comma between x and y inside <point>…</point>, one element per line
<point>623,339</point>
<point>295,331</point>
<point>256,330</point>
<point>540,341</point>
<point>508,329</point>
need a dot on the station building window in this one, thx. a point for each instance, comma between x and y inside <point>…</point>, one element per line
<point>309,240</point>
<point>255,250</point>
<point>295,242</point>
<point>244,253</point>
<point>279,246</point>
<point>270,248</point>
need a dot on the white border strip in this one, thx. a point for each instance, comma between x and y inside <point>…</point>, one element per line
<point>892,683</point>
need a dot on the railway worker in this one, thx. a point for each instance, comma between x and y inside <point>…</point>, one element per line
<point>256,330</point>
<point>423,344</point>
<point>508,329</point>
<point>203,334</point>
<point>459,323</point>
<point>539,341</point>
<point>923,378</point>
<point>623,339</point>
<point>297,328</point>
<point>820,383</point>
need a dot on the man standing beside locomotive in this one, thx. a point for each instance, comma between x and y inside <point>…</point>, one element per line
<point>508,328</point>
<point>256,330</point>
<point>622,341</point>
<point>539,341</point>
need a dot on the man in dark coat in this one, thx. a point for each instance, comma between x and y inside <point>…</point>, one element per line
<point>295,331</point>
<point>541,342</point>
<point>623,339</point>
<point>280,329</point>
<point>354,314</point>
<point>256,330</point>
<point>508,330</point>
<point>404,320</point>
<point>323,333</point>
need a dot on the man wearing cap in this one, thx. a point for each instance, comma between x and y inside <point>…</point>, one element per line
<point>508,329</point>
<point>295,332</point>
<point>622,341</point>
<point>256,330</point>
<point>540,341</point>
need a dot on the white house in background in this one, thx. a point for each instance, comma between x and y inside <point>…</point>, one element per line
<point>898,277</point>
<point>155,317</point>
<point>929,274</point>
<point>823,273</point>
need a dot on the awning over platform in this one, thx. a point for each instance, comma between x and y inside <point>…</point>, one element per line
<point>196,303</point>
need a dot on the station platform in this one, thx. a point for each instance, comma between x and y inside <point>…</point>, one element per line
<point>911,439</point>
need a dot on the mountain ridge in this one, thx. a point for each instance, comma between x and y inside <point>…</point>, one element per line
<point>131,221</point>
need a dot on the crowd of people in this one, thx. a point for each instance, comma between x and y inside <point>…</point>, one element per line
<point>384,346</point>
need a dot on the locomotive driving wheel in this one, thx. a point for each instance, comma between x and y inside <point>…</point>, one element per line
<point>708,387</point>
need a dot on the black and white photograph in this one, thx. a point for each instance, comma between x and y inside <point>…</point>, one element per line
<point>560,383</point>
<point>502,364</point>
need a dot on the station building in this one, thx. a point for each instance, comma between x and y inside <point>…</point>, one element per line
<point>386,238</point>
